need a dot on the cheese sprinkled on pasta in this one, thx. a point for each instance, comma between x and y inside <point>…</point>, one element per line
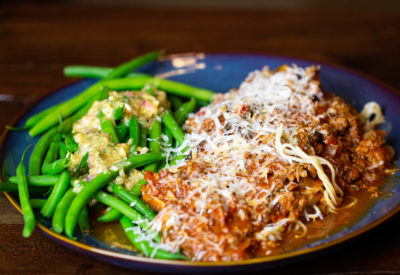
<point>253,171</point>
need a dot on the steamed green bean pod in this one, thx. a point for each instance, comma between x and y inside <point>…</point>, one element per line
<point>83,221</point>
<point>184,110</point>
<point>171,87</point>
<point>93,72</point>
<point>154,143</point>
<point>56,194</point>
<point>13,188</point>
<point>39,180</point>
<point>58,221</point>
<point>56,167</point>
<point>174,128</point>
<point>127,211</point>
<point>35,161</point>
<point>23,194</point>
<point>134,133</point>
<point>51,154</point>
<point>101,180</point>
<point>110,215</point>
<point>107,126</point>
<point>37,203</point>
<point>133,201</point>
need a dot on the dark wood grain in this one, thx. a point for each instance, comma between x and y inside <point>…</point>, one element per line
<point>36,41</point>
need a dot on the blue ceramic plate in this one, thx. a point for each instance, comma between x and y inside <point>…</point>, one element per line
<point>221,72</point>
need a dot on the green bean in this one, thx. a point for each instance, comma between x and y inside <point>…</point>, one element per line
<point>150,168</point>
<point>63,150</point>
<point>58,137</point>
<point>72,146</point>
<point>56,167</point>
<point>168,141</point>
<point>83,165</point>
<point>51,154</point>
<point>176,102</point>
<point>173,126</point>
<point>56,194</point>
<point>202,103</point>
<point>136,161</point>
<point>182,113</point>
<point>182,89</point>
<point>131,65</point>
<point>134,133</point>
<point>178,157</point>
<point>124,209</point>
<point>35,161</point>
<point>37,203</point>
<point>13,188</point>
<point>58,222</point>
<point>110,215</point>
<point>171,87</point>
<point>122,131</point>
<point>92,72</point>
<point>69,107</point>
<point>101,180</point>
<point>42,180</point>
<point>107,126</point>
<point>154,143</point>
<point>150,89</point>
<point>155,137</point>
<point>23,193</point>
<point>118,113</point>
<point>177,133</point>
<point>133,201</point>
<point>136,237</point>
<point>65,127</point>
<point>39,116</point>
<point>9,187</point>
<point>83,221</point>
<point>124,84</point>
<point>170,138</point>
<point>137,189</point>
<point>143,136</point>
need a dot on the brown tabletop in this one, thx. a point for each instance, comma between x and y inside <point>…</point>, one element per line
<point>37,41</point>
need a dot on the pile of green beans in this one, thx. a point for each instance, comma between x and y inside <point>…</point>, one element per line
<point>49,186</point>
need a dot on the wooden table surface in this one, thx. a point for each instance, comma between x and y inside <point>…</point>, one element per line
<point>36,42</point>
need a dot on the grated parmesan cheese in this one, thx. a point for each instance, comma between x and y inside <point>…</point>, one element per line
<point>244,158</point>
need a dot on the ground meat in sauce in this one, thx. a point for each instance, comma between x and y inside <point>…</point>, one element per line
<point>238,225</point>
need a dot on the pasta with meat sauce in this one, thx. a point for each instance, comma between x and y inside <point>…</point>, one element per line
<point>262,162</point>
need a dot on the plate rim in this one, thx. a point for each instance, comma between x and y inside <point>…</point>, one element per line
<point>66,242</point>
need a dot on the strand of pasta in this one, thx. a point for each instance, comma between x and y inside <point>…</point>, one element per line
<point>294,153</point>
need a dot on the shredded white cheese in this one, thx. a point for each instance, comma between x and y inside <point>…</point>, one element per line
<point>241,141</point>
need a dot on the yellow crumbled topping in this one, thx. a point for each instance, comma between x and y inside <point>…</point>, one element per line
<point>103,152</point>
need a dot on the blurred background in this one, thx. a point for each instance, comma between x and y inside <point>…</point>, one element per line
<point>349,5</point>
<point>354,33</point>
